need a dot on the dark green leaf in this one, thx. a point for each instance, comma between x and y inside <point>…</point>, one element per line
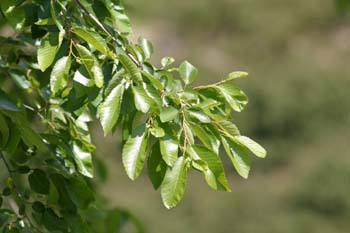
<point>38,207</point>
<point>156,166</point>
<point>79,192</point>
<point>4,132</point>
<point>39,182</point>
<point>169,147</point>
<point>6,103</point>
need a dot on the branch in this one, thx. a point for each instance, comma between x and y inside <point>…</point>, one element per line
<point>100,25</point>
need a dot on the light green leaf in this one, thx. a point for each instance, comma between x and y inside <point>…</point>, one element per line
<point>166,61</point>
<point>130,67</point>
<point>239,156</point>
<point>168,114</point>
<point>188,72</point>
<point>120,20</point>
<point>91,64</point>
<point>254,147</point>
<point>93,39</point>
<point>233,96</point>
<point>142,101</point>
<point>146,46</point>
<point>156,166</point>
<point>199,115</point>
<point>157,132</point>
<point>59,75</point>
<point>207,137</point>
<point>189,134</point>
<point>229,127</point>
<point>215,166</point>
<point>109,110</point>
<point>83,160</point>
<point>173,186</point>
<point>48,49</point>
<point>134,152</point>
<point>236,75</point>
<point>169,147</point>
<point>7,104</point>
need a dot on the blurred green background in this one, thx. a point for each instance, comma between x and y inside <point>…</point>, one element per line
<point>298,55</point>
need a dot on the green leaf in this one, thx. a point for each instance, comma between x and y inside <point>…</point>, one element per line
<point>142,101</point>
<point>207,137</point>
<point>120,20</point>
<point>254,147</point>
<point>166,61</point>
<point>130,67</point>
<point>236,75</point>
<point>39,182</point>
<point>79,192</point>
<point>156,166</point>
<point>229,127</point>
<point>52,222</point>
<point>188,72</point>
<point>4,132</point>
<point>168,114</point>
<point>28,135</point>
<point>93,39</point>
<point>189,134</point>
<point>48,49</point>
<point>110,108</point>
<point>134,152</point>
<point>59,75</point>
<point>157,132</point>
<point>6,103</point>
<point>233,96</point>
<point>199,115</point>
<point>83,160</point>
<point>146,46</point>
<point>91,64</point>
<point>169,147</point>
<point>239,156</point>
<point>215,166</point>
<point>173,186</point>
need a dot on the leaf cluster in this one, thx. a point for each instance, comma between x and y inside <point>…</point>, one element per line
<point>72,62</point>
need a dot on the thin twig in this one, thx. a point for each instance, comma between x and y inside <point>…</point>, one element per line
<point>100,25</point>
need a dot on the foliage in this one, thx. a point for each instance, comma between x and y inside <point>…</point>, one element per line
<point>71,62</point>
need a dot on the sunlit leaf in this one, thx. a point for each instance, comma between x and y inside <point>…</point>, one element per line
<point>173,186</point>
